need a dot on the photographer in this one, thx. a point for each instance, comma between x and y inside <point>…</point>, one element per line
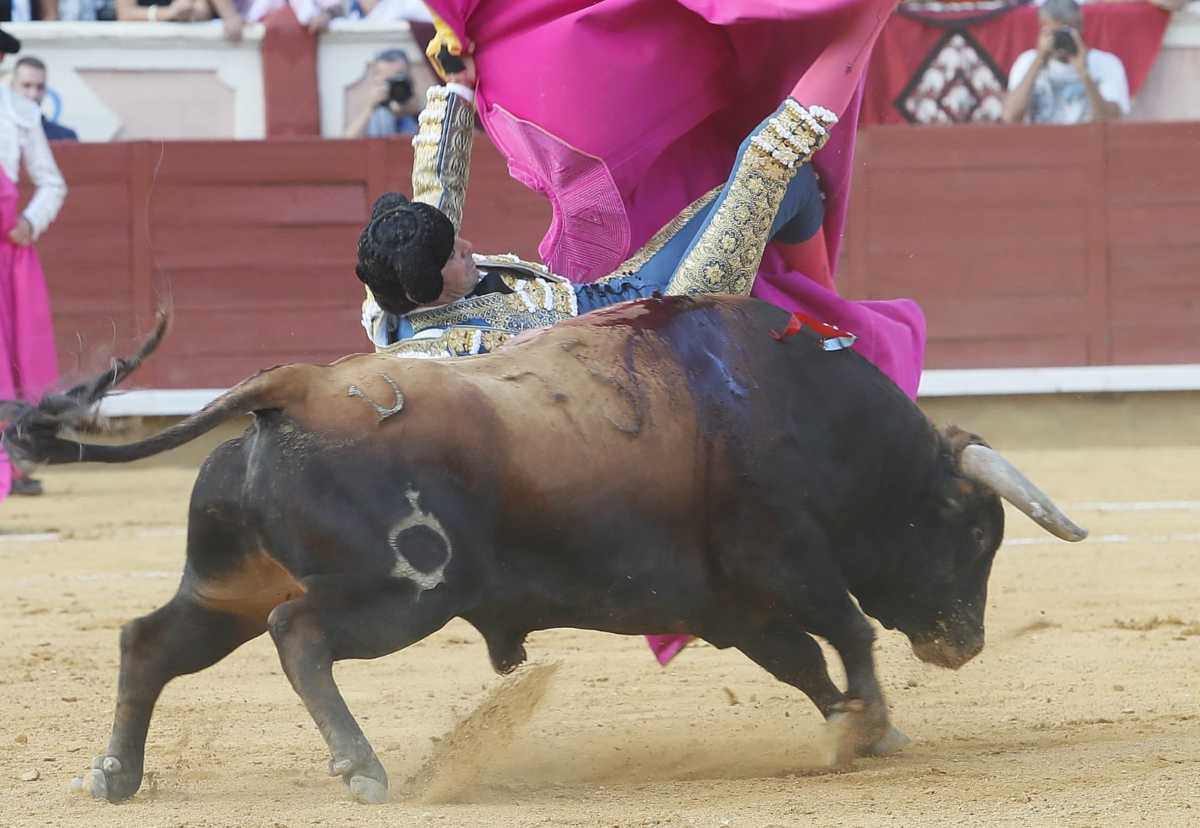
<point>392,106</point>
<point>1062,81</point>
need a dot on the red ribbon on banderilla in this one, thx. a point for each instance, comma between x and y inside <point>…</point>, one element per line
<point>832,337</point>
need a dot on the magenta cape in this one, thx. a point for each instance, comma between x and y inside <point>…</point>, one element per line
<point>622,112</point>
<point>28,361</point>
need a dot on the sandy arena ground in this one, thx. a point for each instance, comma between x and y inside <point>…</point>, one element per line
<point>1083,710</point>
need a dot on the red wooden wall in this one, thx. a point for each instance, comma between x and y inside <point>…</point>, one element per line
<point>1034,246</point>
<point>1025,246</point>
<point>252,242</point>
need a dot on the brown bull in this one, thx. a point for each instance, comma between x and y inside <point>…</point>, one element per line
<point>664,466</point>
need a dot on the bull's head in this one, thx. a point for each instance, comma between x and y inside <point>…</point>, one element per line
<point>939,604</point>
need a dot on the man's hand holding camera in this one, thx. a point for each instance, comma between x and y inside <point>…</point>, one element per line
<point>1078,56</point>
<point>398,95</point>
<point>1064,44</point>
<point>1062,80</point>
<point>389,85</point>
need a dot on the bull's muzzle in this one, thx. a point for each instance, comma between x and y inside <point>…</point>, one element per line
<point>947,652</point>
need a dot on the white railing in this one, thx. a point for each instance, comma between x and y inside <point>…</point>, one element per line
<point>112,81</point>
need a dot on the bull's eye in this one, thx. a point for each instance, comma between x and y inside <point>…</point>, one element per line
<point>977,533</point>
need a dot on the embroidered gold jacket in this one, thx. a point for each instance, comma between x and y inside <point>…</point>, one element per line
<point>441,169</point>
<point>725,258</point>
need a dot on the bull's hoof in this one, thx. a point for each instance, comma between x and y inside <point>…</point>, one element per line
<point>109,780</point>
<point>839,742</point>
<point>368,791</point>
<point>892,742</point>
<point>365,777</point>
<point>855,730</point>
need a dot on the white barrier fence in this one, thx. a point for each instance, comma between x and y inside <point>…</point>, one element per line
<point>150,81</point>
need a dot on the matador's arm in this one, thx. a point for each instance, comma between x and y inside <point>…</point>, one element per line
<point>442,149</point>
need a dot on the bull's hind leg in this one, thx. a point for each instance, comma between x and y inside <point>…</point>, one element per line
<point>179,638</point>
<point>330,623</point>
<point>795,658</point>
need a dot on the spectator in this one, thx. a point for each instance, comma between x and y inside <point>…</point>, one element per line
<point>183,11</point>
<point>28,364</point>
<point>85,10</point>
<point>29,81</point>
<point>22,11</point>
<point>392,106</point>
<point>1062,81</point>
<point>313,14</point>
<point>390,11</point>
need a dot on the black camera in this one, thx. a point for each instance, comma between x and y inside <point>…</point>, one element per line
<point>400,89</point>
<point>1064,41</point>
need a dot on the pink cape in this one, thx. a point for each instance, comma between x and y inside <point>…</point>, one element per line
<point>28,361</point>
<point>623,112</point>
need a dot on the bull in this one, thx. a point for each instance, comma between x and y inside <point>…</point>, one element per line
<point>662,466</point>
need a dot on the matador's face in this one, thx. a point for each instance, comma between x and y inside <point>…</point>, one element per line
<point>460,275</point>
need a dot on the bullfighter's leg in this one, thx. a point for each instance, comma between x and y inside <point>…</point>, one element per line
<point>179,638</point>
<point>331,623</point>
<point>795,658</point>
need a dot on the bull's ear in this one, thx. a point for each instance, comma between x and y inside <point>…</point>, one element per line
<point>955,491</point>
<point>956,440</point>
<point>953,495</point>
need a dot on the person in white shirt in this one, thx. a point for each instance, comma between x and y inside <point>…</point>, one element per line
<point>28,362</point>
<point>1062,81</point>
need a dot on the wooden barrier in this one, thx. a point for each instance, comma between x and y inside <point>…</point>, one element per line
<point>1056,246</point>
<point>253,243</point>
<point>1034,246</point>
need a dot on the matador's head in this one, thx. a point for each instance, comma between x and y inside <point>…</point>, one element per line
<point>402,252</point>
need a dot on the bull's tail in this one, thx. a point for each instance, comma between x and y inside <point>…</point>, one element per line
<point>34,433</point>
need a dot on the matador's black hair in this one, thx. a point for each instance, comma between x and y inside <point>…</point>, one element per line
<point>402,251</point>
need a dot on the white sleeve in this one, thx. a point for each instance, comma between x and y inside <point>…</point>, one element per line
<point>377,322</point>
<point>1020,67</point>
<point>1109,74</point>
<point>39,164</point>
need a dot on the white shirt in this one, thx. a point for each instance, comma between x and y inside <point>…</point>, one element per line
<point>252,11</point>
<point>391,11</point>
<point>1059,96</point>
<point>22,140</point>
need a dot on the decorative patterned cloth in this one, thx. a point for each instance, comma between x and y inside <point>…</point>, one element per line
<point>949,62</point>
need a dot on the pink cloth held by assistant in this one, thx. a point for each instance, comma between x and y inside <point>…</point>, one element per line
<point>28,359</point>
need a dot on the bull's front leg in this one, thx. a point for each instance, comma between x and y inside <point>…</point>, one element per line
<point>794,657</point>
<point>331,623</point>
<point>861,719</point>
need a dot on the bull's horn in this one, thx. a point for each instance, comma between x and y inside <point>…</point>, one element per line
<point>985,466</point>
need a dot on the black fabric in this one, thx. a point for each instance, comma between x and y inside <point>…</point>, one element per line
<point>57,132</point>
<point>490,283</point>
<point>9,45</point>
<point>401,252</point>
